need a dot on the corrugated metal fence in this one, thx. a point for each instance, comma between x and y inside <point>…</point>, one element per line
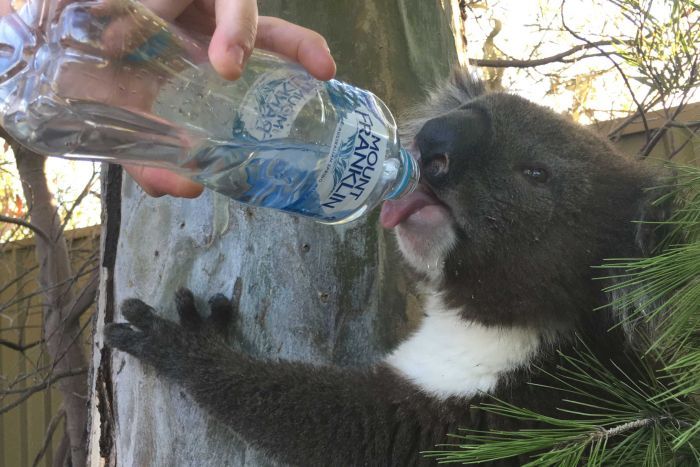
<point>23,428</point>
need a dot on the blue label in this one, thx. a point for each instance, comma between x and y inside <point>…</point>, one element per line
<point>274,102</point>
<point>330,180</point>
<point>357,151</point>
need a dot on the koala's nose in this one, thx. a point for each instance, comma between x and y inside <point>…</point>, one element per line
<point>445,142</point>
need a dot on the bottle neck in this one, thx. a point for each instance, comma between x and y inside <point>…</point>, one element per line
<point>407,181</point>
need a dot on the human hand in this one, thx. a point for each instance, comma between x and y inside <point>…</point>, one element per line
<point>236,29</point>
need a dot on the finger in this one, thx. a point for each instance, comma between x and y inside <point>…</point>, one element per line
<point>297,43</point>
<point>234,36</point>
<point>5,7</point>
<point>167,9</point>
<point>158,182</point>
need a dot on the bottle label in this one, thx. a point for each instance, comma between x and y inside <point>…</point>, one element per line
<point>356,159</point>
<point>342,176</point>
<point>274,102</point>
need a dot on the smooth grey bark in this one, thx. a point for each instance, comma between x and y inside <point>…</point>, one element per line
<point>306,291</point>
<point>62,307</point>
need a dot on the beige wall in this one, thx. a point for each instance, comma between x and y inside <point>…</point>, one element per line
<point>679,137</point>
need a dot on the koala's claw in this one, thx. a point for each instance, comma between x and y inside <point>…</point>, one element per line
<point>167,345</point>
<point>187,310</point>
<point>138,313</point>
<point>138,336</point>
<point>122,336</point>
<point>220,312</point>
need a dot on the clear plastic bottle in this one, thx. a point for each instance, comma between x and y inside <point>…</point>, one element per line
<point>111,81</point>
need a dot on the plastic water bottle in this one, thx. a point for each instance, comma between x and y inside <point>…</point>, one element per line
<point>111,81</point>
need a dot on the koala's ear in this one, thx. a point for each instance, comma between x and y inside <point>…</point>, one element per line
<point>655,210</point>
<point>462,87</point>
<point>466,83</point>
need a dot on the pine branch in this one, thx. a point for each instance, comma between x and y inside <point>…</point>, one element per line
<point>618,430</point>
<point>624,424</point>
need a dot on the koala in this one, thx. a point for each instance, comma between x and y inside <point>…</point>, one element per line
<point>514,207</point>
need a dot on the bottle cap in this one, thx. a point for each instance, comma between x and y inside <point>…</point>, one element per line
<point>409,177</point>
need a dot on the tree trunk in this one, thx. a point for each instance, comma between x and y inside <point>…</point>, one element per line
<point>306,291</point>
<point>61,312</point>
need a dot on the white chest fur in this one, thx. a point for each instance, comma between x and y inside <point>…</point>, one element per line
<point>449,356</point>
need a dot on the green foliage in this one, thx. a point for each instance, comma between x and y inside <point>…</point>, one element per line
<point>666,46</point>
<point>647,423</point>
<point>625,425</point>
<point>664,290</point>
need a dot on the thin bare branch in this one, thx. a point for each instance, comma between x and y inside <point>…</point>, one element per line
<point>79,199</point>
<point>45,290</point>
<point>44,384</point>
<point>28,392</point>
<point>18,278</point>
<point>29,225</point>
<point>693,133</point>
<point>84,299</point>
<point>48,437</point>
<point>539,61</point>
<point>637,114</point>
<point>46,368</point>
<point>15,328</point>
<point>19,347</point>
<point>659,133</point>
<point>622,74</point>
<point>61,456</point>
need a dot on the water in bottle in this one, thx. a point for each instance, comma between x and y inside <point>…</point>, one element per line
<point>111,81</point>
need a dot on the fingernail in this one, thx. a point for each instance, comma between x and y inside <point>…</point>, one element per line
<point>237,54</point>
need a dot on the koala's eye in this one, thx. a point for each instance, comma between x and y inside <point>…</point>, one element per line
<point>536,174</point>
<point>436,165</point>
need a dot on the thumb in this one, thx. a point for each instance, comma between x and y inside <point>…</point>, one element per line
<point>234,36</point>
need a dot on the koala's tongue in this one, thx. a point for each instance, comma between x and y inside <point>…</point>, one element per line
<point>396,211</point>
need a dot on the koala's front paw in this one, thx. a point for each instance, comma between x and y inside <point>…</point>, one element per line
<point>175,350</point>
